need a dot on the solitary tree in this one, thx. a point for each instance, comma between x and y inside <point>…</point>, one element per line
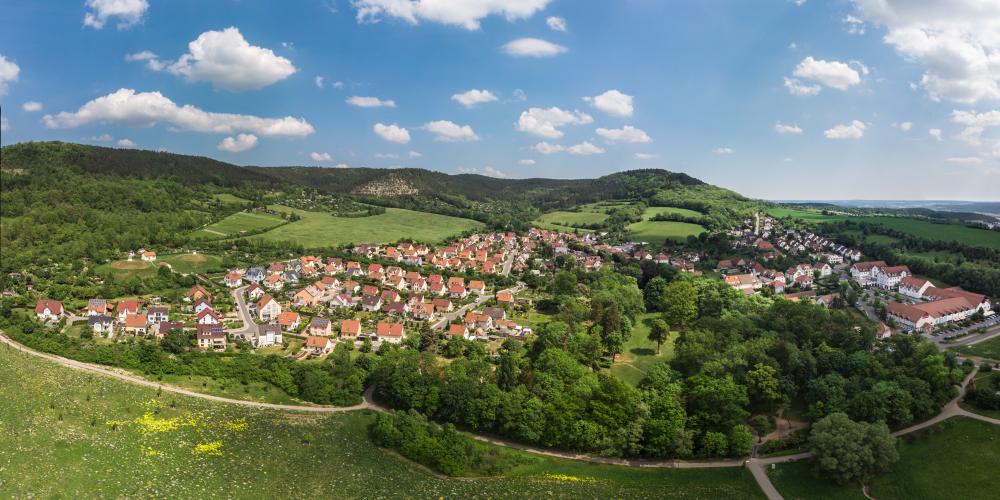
<point>680,304</point>
<point>659,331</point>
<point>848,451</point>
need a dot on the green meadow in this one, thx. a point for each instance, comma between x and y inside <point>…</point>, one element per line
<point>806,215</point>
<point>571,219</point>
<point>238,223</point>
<point>940,232</point>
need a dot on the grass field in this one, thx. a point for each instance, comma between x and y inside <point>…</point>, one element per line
<point>640,353</point>
<point>239,222</point>
<point>661,231</point>
<point>939,232</point>
<point>957,458</point>
<point>651,212</point>
<point>318,229</point>
<point>123,269</point>
<point>229,198</point>
<point>806,215</point>
<point>572,218</point>
<point>70,434</point>
<point>192,263</point>
<point>986,349</point>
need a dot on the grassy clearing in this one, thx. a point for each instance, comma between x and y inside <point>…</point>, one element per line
<point>640,353</point>
<point>651,212</point>
<point>806,215</point>
<point>238,223</point>
<point>957,458</point>
<point>66,433</point>
<point>192,263</point>
<point>124,269</point>
<point>572,218</point>
<point>231,199</point>
<point>940,232</point>
<point>661,231</point>
<point>989,349</point>
<point>319,229</point>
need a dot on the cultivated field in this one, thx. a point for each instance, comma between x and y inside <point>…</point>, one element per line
<point>65,433</point>
<point>957,458</point>
<point>319,229</point>
<point>240,222</point>
<point>941,232</point>
<point>806,215</point>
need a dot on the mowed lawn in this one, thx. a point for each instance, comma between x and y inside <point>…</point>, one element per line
<point>958,458</point>
<point>320,229</point>
<point>192,263</point>
<point>660,231</point>
<point>238,223</point>
<point>124,269</point>
<point>985,349</point>
<point>70,434</point>
<point>940,232</point>
<point>806,215</point>
<point>572,218</point>
<point>639,353</point>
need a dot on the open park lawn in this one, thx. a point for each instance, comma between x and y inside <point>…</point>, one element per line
<point>319,229</point>
<point>640,353</point>
<point>124,269</point>
<point>572,218</point>
<point>192,262</point>
<point>958,458</point>
<point>235,224</point>
<point>655,231</point>
<point>989,349</point>
<point>70,434</point>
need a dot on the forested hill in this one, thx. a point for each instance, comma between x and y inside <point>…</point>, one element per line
<point>365,183</point>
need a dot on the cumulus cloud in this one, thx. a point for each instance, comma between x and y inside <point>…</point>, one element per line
<point>4,124</point>
<point>32,106</point>
<point>386,156</point>
<point>229,62</point>
<point>488,171</point>
<point>627,134</point>
<point>546,149</point>
<point>8,73</point>
<point>370,102</point>
<point>797,87</point>
<point>128,108</point>
<point>317,156</point>
<point>723,151</point>
<point>101,138</point>
<point>127,144</point>
<point>585,148</point>
<point>854,25</point>
<point>464,13</point>
<point>781,128</point>
<point>853,130</point>
<point>414,154</point>
<point>238,144</point>
<point>446,131</point>
<point>556,23</point>
<point>957,43</point>
<point>935,133</point>
<point>546,122</point>
<point>833,74</point>
<point>533,47</point>
<point>971,135</point>
<point>612,102</point>
<point>319,81</point>
<point>526,162</point>
<point>471,98</point>
<point>645,156</point>
<point>392,133</point>
<point>972,118</point>
<point>128,12</point>
<point>965,160</point>
<point>905,126</point>
<point>150,58</point>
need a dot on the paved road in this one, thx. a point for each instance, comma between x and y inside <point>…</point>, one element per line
<point>449,317</point>
<point>240,298</point>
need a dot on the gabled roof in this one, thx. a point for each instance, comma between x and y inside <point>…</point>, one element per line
<point>135,320</point>
<point>53,306</point>
<point>350,326</point>
<point>386,329</point>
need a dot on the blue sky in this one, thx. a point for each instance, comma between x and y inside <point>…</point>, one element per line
<point>781,99</point>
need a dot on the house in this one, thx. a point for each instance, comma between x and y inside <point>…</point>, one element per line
<point>290,277</point>
<point>48,310</point>
<point>157,314</point>
<point>477,287</point>
<point>443,305</point>
<point>97,307</point>
<point>319,326</point>
<point>255,274</point>
<point>164,327</point>
<point>371,303</point>
<point>201,305</point>
<point>457,292</point>
<point>888,277</point>
<point>422,311</point>
<point>266,335</point>
<point>318,346</point>
<point>803,281</point>
<point>827,300</point>
<point>341,300</point>
<point>396,308</point>
<point>505,297</point>
<point>350,328</point>
<point>796,297</point>
<point>746,283</point>
<point>882,331</point>
<point>254,292</point>
<point>495,312</point>
<point>197,293</point>
<point>209,317</point>
<point>861,272</point>
<point>456,280</point>
<point>389,332</point>
<point>211,337</point>
<point>369,290</point>
<point>478,320</point>
<point>909,317</point>
<point>126,307</point>
<point>234,279</point>
<point>274,283</point>
<point>306,297</point>
<point>913,287</point>
<point>149,256</point>
<point>289,320</point>
<point>268,308</point>
<point>136,324</point>
<point>101,325</point>
<point>459,330</point>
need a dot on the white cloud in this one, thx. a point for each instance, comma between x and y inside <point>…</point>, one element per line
<point>905,126</point>
<point>996,149</point>
<point>446,131</point>
<point>370,102</point>
<point>585,148</point>
<point>32,106</point>
<point>471,98</point>
<point>242,142</point>
<point>645,156</point>
<point>965,160</point>
<point>144,109</point>
<point>833,74</point>
<point>612,102</point>
<point>533,47</point>
<point>781,128</point>
<point>4,124</point>
<point>127,144</point>
<point>854,25</point>
<point>627,134</point>
<point>786,160</point>
<point>128,12</point>
<point>971,118</point>
<point>957,42</point>
<point>101,138</point>
<point>526,162</point>
<point>796,87</point>
<point>546,149</point>
<point>723,151</point>
<point>392,133</point>
<point>317,156</point>
<point>854,130</point>
<point>8,73</point>
<point>792,45</point>
<point>414,154</point>
<point>464,13</point>
<point>152,61</point>
<point>488,171</point>
<point>799,2</point>
<point>338,84</point>
<point>556,23</point>
<point>229,62</point>
<point>318,81</point>
<point>935,133</point>
<point>546,122</point>
<point>518,95</point>
<point>386,156</point>
<point>971,135</point>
